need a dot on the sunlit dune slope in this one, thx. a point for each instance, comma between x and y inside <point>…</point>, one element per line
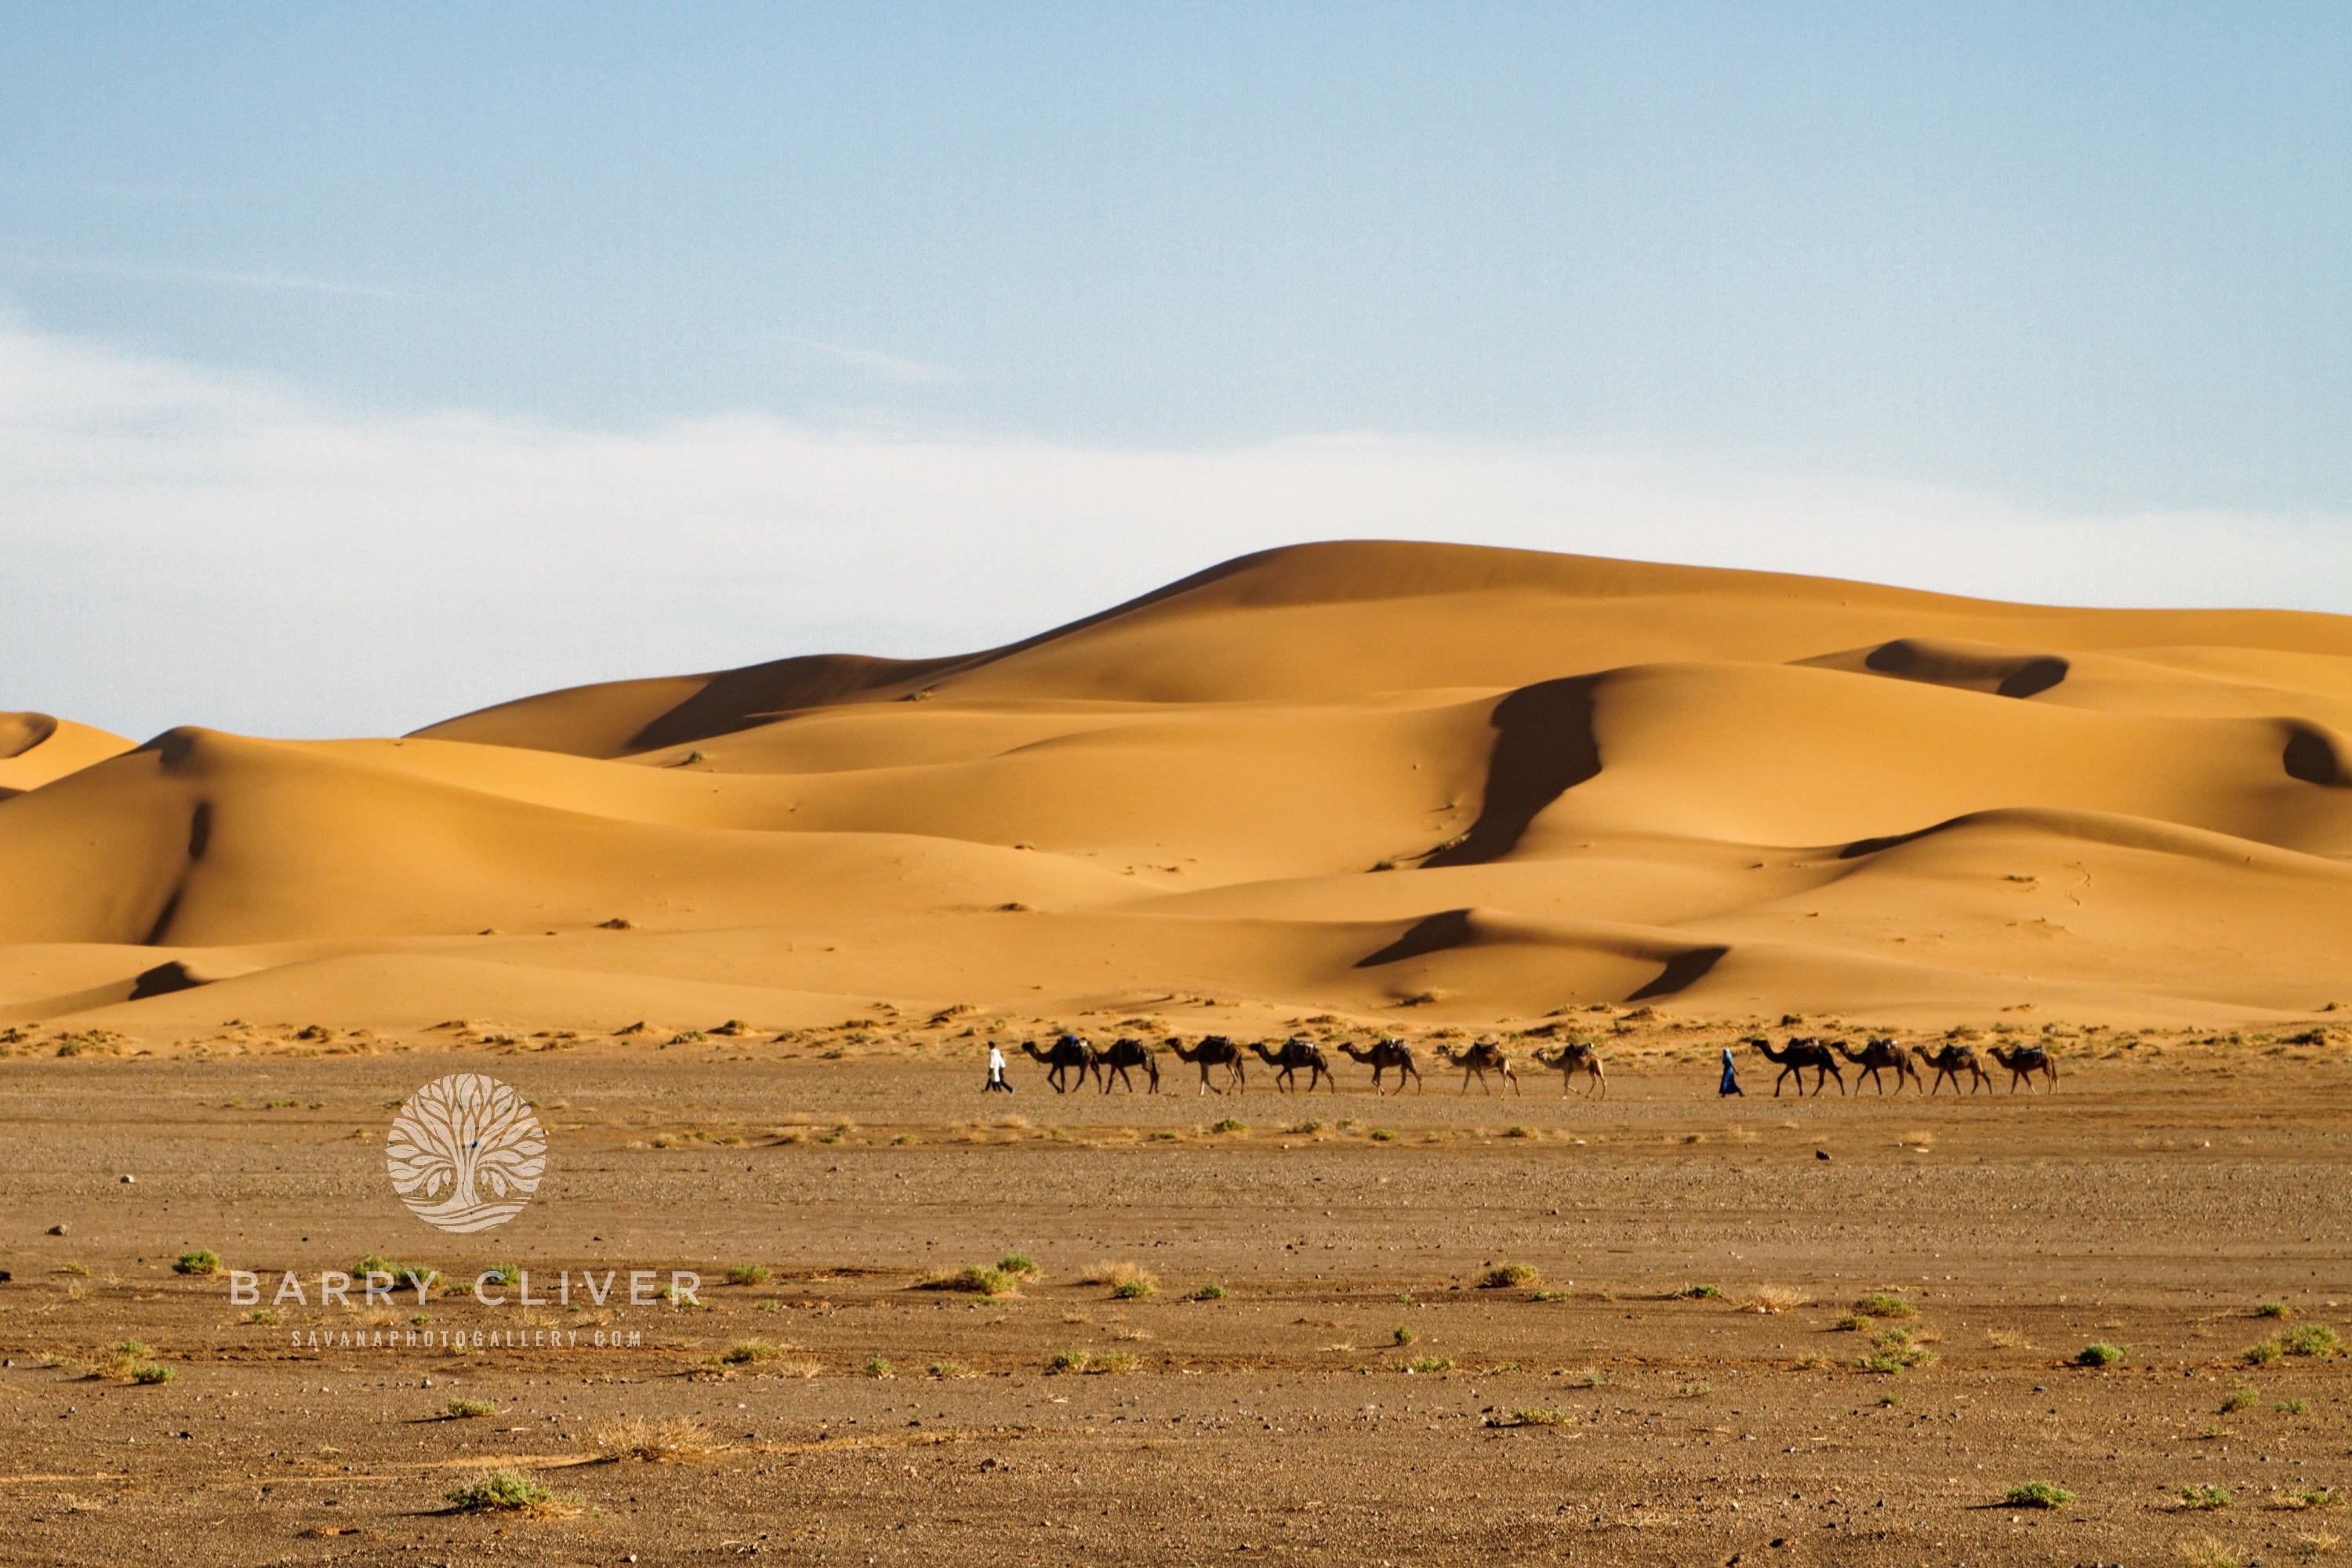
<point>1417,781</point>
<point>36,749</point>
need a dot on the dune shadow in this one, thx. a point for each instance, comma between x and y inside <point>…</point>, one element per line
<point>1681,970</point>
<point>2311,756</point>
<point>162,980</point>
<point>1544,747</point>
<point>1431,933</point>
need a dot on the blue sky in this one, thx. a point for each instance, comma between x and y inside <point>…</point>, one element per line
<point>1967,268</point>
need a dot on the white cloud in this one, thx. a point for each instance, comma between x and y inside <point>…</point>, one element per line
<point>186,545</point>
<point>887,367</point>
<point>158,272</point>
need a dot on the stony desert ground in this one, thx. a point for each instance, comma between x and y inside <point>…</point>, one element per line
<point>1358,1392</point>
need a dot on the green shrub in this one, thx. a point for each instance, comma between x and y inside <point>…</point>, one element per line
<point>1381,1135</point>
<point>2262,1353</point>
<point>2315,1497</point>
<point>2037,1494</point>
<point>1131,1289</point>
<point>2204,1498</point>
<point>2309,1339</point>
<point>2101,1353</point>
<point>502,1274</point>
<point>948,1369</point>
<point>1402,1334</point>
<point>203,1261</point>
<point>1880,1304</point>
<point>1229,1124</point>
<point>263,1315</point>
<point>1068,1361</point>
<point>1540,1415</point>
<point>466,1409</point>
<point>748,1274</point>
<point>1019,1265</point>
<point>1549,1296</point>
<point>2293,1406</point>
<point>2240,1398</point>
<point>150,1371</point>
<point>1432,1363</point>
<point>1105,1361</point>
<point>2274,1309</point>
<point>1698,1292</point>
<point>880,1367</point>
<point>1209,1292</point>
<point>1504,1274</point>
<point>503,1491</point>
<point>974,1277</point>
<point>743,1352</point>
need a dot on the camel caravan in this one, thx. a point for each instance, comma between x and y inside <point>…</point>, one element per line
<point>1223,1065</point>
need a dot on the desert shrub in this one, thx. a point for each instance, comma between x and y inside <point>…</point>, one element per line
<point>1381,1135</point>
<point>1116,1275</point>
<point>1540,1415</point>
<point>2205,1497</point>
<point>203,1261</point>
<point>1882,1362</point>
<point>122,1360</point>
<point>2262,1353</point>
<point>1699,1390</point>
<point>2037,1494</point>
<point>1132,1290</point>
<point>1880,1304</point>
<point>1432,1363</point>
<point>1504,1274</point>
<point>651,1439</point>
<point>1890,1399</point>
<point>1698,1293</point>
<point>1019,1265</point>
<point>1068,1361</point>
<point>975,1278</point>
<point>2240,1398</point>
<point>948,1369</point>
<point>1518,1132</point>
<point>1852,1323</point>
<point>2099,1353</point>
<point>748,1274</point>
<point>1229,1124</point>
<point>466,1409</point>
<point>510,1491</point>
<point>2291,1406</point>
<point>1551,1296</point>
<point>2314,1497</point>
<point>880,1367</point>
<point>1209,1292</point>
<point>1773,1298</point>
<point>1104,1361</point>
<point>263,1315</point>
<point>2309,1339</point>
<point>151,1373</point>
<point>1402,1334</point>
<point>2274,1309</point>
<point>502,1273</point>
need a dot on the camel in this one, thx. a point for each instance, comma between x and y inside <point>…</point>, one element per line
<point>1299,1052</point>
<point>1880,1052</point>
<point>1214,1051</point>
<point>1950,1063</point>
<point>1068,1052</point>
<point>1114,1059</point>
<point>2023,1062</point>
<point>1799,1054</point>
<point>1482,1059</point>
<point>1577,1057</point>
<point>1384,1055</point>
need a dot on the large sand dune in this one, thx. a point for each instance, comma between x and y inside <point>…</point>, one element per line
<point>1415,781</point>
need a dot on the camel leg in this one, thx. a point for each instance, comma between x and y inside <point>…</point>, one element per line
<point>1515,1080</point>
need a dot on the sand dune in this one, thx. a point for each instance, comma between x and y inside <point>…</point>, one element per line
<point>1398,780</point>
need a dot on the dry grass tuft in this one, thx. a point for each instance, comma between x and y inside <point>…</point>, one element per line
<point>2007,1339</point>
<point>1117,1274</point>
<point>645,1438</point>
<point>512,1492</point>
<point>1775,1299</point>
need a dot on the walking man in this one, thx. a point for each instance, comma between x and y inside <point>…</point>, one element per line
<point>996,1084</point>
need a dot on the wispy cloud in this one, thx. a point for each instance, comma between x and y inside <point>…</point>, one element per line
<point>160,272</point>
<point>889,367</point>
<point>186,545</point>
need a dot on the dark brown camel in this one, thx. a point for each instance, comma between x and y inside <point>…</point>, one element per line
<point>1480,1059</point>
<point>1113,1061</point>
<point>1067,1052</point>
<point>1801,1053</point>
<point>1214,1051</point>
<point>1880,1052</point>
<point>1950,1063</point>
<point>1384,1055</point>
<point>1577,1057</point>
<point>1299,1052</point>
<point>2023,1062</point>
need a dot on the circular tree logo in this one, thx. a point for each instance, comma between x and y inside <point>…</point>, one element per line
<point>465,1153</point>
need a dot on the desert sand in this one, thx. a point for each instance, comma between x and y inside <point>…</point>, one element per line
<point>742,940</point>
<point>1392,780</point>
